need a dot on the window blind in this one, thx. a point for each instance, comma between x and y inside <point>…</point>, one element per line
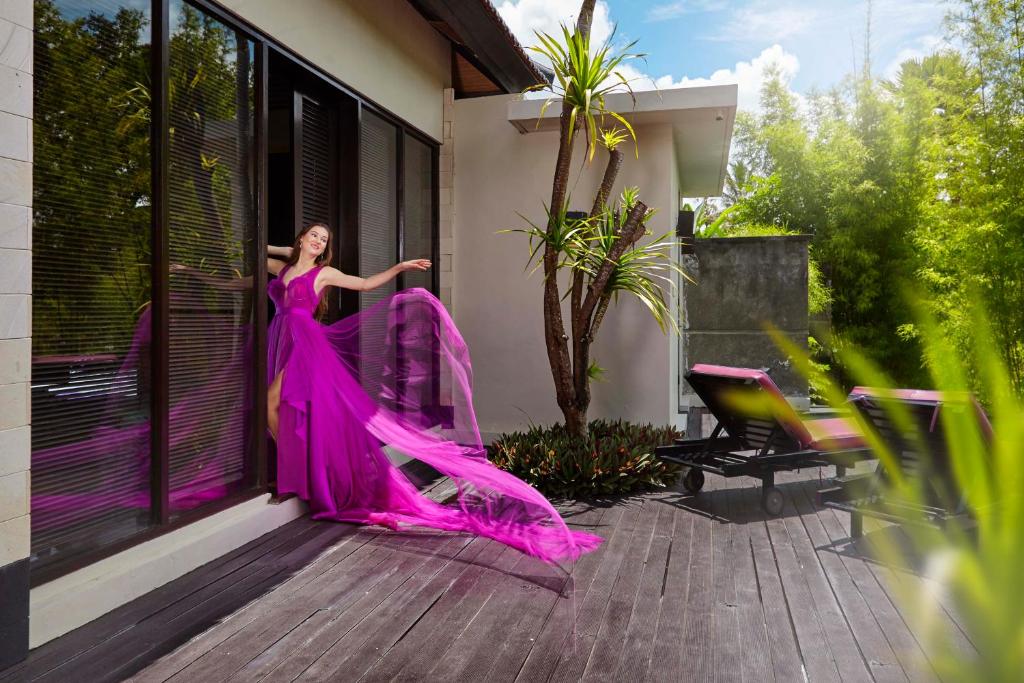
<point>212,231</point>
<point>418,204</point>
<point>378,214</point>
<point>317,172</point>
<point>91,279</point>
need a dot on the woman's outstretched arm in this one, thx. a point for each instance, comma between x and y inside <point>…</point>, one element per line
<point>335,278</point>
<point>283,252</point>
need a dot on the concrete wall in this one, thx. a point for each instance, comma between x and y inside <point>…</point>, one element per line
<point>499,172</point>
<point>384,49</point>
<point>15,321</point>
<point>744,283</point>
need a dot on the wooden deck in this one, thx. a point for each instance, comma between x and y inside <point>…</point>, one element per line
<point>685,588</point>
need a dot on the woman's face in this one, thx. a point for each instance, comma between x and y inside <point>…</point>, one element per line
<point>315,241</point>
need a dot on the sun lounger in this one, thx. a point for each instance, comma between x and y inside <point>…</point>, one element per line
<point>758,443</point>
<point>921,453</point>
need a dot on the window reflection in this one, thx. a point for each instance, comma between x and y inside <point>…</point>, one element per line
<point>91,277</point>
<point>211,234</point>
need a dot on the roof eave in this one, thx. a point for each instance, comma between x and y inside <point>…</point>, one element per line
<point>478,32</point>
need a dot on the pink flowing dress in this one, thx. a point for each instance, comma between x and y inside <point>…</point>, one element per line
<point>393,377</point>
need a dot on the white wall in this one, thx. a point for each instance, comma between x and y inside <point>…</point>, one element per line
<point>382,48</point>
<point>499,171</point>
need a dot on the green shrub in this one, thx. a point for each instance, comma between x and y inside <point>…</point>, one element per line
<point>615,458</point>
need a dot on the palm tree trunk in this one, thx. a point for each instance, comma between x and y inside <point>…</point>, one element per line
<point>554,328</point>
<point>580,337</point>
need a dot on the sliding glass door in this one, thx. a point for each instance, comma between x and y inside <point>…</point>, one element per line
<point>152,157</point>
<point>92,287</point>
<point>211,238</point>
<point>144,343</point>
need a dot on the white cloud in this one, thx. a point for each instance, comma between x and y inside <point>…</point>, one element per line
<point>925,45</point>
<point>668,11</point>
<point>748,76</point>
<point>674,10</point>
<point>524,17</point>
<point>762,21</point>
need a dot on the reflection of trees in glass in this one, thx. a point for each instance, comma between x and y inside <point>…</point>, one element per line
<point>210,98</point>
<point>211,228</point>
<point>91,180</point>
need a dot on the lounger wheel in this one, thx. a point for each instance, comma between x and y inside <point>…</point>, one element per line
<point>772,501</point>
<point>693,482</point>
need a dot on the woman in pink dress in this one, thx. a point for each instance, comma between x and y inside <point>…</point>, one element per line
<point>393,376</point>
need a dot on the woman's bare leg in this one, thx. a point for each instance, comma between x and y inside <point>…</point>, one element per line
<point>273,403</point>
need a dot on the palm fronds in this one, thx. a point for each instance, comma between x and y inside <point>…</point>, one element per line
<point>583,79</point>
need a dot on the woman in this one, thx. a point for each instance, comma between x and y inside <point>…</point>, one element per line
<point>386,377</point>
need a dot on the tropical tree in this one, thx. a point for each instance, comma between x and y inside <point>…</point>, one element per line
<point>602,249</point>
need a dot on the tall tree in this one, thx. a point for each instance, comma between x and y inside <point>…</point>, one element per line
<point>602,250</point>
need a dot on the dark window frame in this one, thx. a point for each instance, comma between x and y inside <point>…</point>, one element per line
<point>162,522</point>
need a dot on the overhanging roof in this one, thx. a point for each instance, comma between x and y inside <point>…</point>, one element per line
<point>488,58</point>
<point>701,117</point>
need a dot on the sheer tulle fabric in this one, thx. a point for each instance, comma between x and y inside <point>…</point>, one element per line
<point>394,377</point>
<point>120,448</point>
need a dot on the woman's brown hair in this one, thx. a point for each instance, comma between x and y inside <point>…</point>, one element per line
<point>324,259</point>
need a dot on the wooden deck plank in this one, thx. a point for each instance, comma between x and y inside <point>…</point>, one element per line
<point>906,571</point>
<point>751,647</point>
<point>235,653</point>
<point>430,634</point>
<point>355,570</point>
<point>815,650</point>
<point>787,662</point>
<point>666,661</point>
<point>628,594</point>
<point>470,655</point>
<point>895,583</point>
<point>696,653</point>
<point>348,608</point>
<point>515,644</point>
<point>635,655</point>
<point>891,588</point>
<point>378,620</point>
<point>835,623</point>
<point>685,588</point>
<point>727,665</point>
<point>617,569</point>
<point>889,649</point>
<point>558,631</point>
<point>904,646</point>
<point>181,619</point>
<point>529,588</point>
<point>80,641</point>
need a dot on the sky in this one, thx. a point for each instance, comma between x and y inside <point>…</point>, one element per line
<point>700,42</point>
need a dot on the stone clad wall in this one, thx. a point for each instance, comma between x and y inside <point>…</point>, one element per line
<point>742,284</point>
<point>15,322</point>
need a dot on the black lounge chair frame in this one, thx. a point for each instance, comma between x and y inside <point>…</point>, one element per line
<point>924,455</point>
<point>742,445</point>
